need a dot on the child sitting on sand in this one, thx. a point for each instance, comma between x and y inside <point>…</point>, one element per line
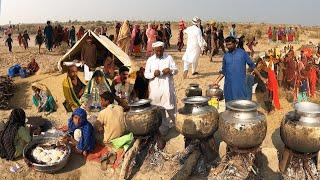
<point>81,132</point>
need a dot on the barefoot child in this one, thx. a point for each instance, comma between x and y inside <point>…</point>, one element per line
<point>9,42</point>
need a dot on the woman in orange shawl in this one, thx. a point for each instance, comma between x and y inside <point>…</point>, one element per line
<point>124,37</point>
<point>313,80</point>
<point>272,85</point>
<point>273,88</point>
<point>152,35</point>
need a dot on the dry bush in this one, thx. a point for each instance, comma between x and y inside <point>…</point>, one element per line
<point>258,33</point>
<point>314,35</point>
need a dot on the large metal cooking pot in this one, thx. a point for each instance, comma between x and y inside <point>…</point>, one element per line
<point>300,129</point>
<point>242,125</point>
<point>193,90</point>
<point>52,168</point>
<point>215,91</point>
<point>197,119</point>
<point>142,118</point>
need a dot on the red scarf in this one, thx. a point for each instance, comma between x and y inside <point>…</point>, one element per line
<point>273,87</point>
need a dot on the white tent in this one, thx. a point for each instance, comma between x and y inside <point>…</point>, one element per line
<point>103,43</point>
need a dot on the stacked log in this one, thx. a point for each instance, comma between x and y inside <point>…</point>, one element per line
<point>6,91</point>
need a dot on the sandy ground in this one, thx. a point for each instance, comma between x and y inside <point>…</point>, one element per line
<point>77,168</point>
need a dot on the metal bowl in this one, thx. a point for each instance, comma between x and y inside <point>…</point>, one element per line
<point>197,119</point>
<point>308,112</point>
<point>242,105</point>
<point>195,105</point>
<point>140,105</point>
<point>195,100</point>
<point>193,90</point>
<point>241,125</point>
<point>300,135</point>
<point>140,102</point>
<point>52,168</point>
<point>215,91</point>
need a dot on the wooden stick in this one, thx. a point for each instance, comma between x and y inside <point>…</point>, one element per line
<point>286,158</point>
<point>128,158</point>
<point>318,161</point>
<point>186,170</point>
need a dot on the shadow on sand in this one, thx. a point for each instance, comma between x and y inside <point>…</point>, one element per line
<point>76,161</point>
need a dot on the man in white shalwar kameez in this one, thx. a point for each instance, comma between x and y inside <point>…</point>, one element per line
<point>195,45</point>
<point>160,69</point>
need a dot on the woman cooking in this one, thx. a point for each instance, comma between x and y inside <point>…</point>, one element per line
<point>42,98</point>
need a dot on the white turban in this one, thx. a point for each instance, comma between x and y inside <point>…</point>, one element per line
<point>195,20</point>
<point>158,44</point>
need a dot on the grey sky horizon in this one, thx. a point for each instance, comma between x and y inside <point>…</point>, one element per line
<point>267,11</point>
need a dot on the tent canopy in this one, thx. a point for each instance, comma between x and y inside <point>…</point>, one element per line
<point>105,47</point>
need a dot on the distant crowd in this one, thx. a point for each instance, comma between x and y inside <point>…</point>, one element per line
<point>283,34</point>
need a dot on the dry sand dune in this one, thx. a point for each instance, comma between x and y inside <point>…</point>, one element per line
<point>77,168</point>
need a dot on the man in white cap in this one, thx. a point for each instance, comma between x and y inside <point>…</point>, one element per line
<point>195,45</point>
<point>160,69</point>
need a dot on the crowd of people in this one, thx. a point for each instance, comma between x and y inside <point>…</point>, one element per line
<point>51,36</point>
<point>133,39</point>
<point>108,91</point>
<point>283,34</point>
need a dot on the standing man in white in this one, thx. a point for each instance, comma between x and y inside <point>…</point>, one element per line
<point>160,69</point>
<point>195,45</point>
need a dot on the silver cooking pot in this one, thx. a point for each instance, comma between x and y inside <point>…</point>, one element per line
<point>242,125</point>
<point>300,129</point>
<point>52,168</point>
<point>142,118</point>
<point>197,119</point>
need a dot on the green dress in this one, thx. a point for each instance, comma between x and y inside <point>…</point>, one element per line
<point>21,140</point>
<point>46,102</point>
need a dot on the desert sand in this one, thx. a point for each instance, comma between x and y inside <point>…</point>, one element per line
<point>77,168</point>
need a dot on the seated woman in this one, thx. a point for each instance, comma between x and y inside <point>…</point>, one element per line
<point>33,67</point>
<point>81,131</point>
<point>73,89</point>
<point>15,136</point>
<point>42,98</point>
<point>96,86</point>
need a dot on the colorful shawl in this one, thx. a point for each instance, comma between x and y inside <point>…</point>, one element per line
<point>273,87</point>
<point>69,93</point>
<point>313,80</point>
<point>87,140</point>
<point>93,90</point>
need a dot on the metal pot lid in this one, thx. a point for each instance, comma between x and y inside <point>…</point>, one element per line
<point>242,105</point>
<point>195,100</point>
<point>140,102</point>
<point>307,108</point>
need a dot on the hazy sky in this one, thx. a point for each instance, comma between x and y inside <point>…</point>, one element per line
<point>275,11</point>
